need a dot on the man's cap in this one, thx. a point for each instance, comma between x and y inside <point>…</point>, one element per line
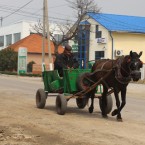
<point>67,47</point>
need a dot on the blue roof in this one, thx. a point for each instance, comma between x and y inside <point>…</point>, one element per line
<point>84,23</point>
<point>124,23</point>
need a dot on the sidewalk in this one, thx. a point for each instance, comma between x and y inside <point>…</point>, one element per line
<point>22,77</point>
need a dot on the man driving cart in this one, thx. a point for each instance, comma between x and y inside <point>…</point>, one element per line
<point>65,60</point>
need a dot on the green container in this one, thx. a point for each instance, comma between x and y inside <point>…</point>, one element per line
<point>70,79</point>
<point>56,85</point>
<point>90,64</point>
<point>52,81</point>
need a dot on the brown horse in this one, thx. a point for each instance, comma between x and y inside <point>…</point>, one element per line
<point>120,72</point>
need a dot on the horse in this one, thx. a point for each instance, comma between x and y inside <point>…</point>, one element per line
<point>118,73</point>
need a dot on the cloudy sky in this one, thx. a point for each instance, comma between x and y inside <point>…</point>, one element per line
<point>16,10</point>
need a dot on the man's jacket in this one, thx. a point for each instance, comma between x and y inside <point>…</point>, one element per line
<point>63,61</point>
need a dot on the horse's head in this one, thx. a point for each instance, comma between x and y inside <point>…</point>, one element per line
<point>134,64</point>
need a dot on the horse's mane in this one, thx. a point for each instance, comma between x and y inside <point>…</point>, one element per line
<point>113,62</point>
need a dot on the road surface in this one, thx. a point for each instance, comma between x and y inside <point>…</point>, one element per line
<point>21,123</point>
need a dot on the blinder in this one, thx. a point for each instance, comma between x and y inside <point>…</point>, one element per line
<point>134,66</point>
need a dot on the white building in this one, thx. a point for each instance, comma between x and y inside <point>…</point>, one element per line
<point>13,33</point>
<point>19,30</point>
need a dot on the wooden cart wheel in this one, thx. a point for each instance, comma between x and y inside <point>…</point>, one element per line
<point>109,104</point>
<point>82,81</point>
<point>82,102</point>
<point>40,98</point>
<point>61,104</point>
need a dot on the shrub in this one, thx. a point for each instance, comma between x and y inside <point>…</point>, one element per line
<point>8,60</point>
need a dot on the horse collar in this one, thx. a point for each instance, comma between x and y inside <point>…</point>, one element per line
<point>118,75</point>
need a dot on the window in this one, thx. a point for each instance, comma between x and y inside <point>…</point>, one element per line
<point>98,33</point>
<point>1,41</point>
<point>8,40</point>
<point>17,37</point>
<point>97,28</point>
<point>99,54</point>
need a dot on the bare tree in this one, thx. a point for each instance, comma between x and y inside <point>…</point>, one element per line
<point>69,30</point>
<point>81,8</point>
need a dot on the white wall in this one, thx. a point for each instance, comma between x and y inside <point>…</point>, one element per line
<point>23,27</point>
<point>94,46</point>
<point>143,72</point>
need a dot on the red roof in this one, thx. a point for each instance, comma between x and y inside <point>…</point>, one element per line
<point>33,43</point>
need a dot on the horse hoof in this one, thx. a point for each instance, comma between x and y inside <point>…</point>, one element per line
<point>104,116</point>
<point>119,120</point>
<point>91,110</point>
<point>114,112</point>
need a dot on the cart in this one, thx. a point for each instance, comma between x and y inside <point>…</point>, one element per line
<point>68,87</point>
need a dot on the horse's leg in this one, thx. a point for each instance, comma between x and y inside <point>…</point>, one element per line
<point>91,108</point>
<point>117,111</point>
<point>123,98</point>
<point>104,101</point>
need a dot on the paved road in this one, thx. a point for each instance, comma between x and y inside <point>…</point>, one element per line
<point>23,84</point>
<point>134,108</point>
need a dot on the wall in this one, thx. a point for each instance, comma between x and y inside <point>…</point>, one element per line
<point>23,27</point>
<point>143,72</point>
<point>121,41</point>
<point>128,42</point>
<point>37,58</point>
<point>94,46</point>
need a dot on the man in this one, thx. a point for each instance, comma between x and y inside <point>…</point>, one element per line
<point>65,60</point>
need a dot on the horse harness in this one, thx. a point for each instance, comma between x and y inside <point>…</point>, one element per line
<point>117,68</point>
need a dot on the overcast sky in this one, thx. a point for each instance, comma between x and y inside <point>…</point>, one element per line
<point>16,10</point>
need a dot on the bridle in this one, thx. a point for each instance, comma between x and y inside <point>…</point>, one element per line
<point>129,73</point>
<point>118,75</point>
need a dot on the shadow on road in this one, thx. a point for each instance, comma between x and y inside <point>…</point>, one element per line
<point>81,112</point>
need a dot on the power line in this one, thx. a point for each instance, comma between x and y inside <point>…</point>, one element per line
<point>13,6</point>
<point>18,9</point>
<point>34,13</point>
<point>37,16</point>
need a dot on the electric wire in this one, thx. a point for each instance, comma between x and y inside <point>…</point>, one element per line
<point>38,16</point>
<point>32,15</point>
<point>17,9</point>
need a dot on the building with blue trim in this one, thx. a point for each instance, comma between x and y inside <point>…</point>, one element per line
<point>111,36</point>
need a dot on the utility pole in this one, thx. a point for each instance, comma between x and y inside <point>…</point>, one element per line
<point>1,19</point>
<point>46,29</point>
<point>48,37</point>
<point>43,38</point>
